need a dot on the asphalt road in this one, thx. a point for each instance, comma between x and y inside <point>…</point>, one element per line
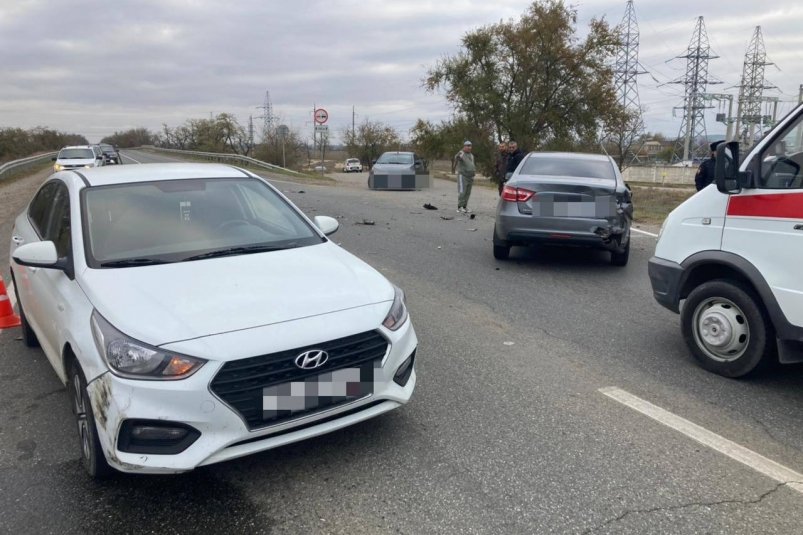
<point>507,432</point>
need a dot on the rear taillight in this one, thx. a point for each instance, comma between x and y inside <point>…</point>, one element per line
<point>511,194</point>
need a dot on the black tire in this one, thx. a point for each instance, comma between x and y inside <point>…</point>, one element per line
<point>501,252</point>
<point>28,336</point>
<point>726,328</point>
<point>621,258</point>
<point>92,457</point>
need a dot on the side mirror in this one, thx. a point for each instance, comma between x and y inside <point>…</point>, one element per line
<point>373,162</point>
<point>43,254</point>
<point>40,254</point>
<point>53,159</point>
<point>726,170</point>
<point>328,225</point>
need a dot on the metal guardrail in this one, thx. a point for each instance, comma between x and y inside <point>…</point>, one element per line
<point>224,157</point>
<point>24,163</point>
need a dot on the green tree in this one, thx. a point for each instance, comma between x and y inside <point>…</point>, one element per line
<point>371,139</point>
<point>533,80</point>
<point>135,137</point>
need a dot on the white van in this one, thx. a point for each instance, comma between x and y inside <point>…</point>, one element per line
<point>729,258</point>
<point>78,156</point>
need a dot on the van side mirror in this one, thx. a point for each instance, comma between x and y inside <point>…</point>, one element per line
<point>726,170</point>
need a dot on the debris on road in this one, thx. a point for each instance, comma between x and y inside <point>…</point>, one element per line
<point>366,222</point>
<point>509,343</point>
<point>430,207</point>
<point>471,229</point>
<point>447,217</point>
<point>301,191</point>
<point>472,216</point>
<point>439,247</point>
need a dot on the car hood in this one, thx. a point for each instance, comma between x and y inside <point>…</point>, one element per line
<point>176,302</point>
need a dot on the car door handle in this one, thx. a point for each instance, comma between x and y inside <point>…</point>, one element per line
<point>18,240</point>
<point>798,227</point>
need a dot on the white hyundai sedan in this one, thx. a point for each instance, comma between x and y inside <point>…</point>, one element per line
<point>196,315</point>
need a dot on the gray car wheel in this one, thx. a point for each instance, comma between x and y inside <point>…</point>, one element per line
<point>621,258</point>
<point>92,457</point>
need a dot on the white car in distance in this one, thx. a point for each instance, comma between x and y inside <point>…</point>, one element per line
<point>352,165</point>
<point>196,315</point>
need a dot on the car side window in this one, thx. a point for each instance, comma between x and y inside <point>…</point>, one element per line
<point>40,208</point>
<point>782,161</point>
<point>60,225</point>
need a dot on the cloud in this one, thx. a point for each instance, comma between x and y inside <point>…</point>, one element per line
<point>97,67</point>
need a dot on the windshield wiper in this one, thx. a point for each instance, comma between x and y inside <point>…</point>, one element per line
<point>129,262</point>
<point>230,251</point>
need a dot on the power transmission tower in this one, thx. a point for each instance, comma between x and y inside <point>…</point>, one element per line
<point>250,133</point>
<point>267,116</point>
<point>692,129</point>
<point>749,116</point>
<point>625,71</point>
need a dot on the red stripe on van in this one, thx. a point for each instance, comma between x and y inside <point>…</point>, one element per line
<point>782,205</point>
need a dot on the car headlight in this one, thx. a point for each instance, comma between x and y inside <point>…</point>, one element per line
<point>398,311</point>
<point>127,357</point>
<point>58,167</point>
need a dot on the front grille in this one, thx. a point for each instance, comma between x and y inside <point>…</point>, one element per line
<point>240,383</point>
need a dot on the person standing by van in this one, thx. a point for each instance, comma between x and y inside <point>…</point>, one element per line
<point>705,174</point>
<point>463,163</point>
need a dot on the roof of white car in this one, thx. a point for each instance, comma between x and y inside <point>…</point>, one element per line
<point>147,172</point>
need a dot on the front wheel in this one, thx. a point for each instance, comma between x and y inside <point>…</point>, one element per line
<point>726,328</point>
<point>92,456</point>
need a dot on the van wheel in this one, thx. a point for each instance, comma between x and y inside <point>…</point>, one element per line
<point>92,457</point>
<point>726,329</point>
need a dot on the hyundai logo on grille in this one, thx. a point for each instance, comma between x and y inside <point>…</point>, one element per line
<point>314,358</point>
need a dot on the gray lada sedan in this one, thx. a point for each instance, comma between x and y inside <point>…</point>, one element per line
<point>565,199</point>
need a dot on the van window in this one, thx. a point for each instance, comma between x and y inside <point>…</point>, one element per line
<point>782,161</point>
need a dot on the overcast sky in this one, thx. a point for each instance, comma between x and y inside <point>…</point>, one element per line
<point>94,68</point>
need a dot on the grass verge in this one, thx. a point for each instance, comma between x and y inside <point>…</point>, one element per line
<point>651,205</point>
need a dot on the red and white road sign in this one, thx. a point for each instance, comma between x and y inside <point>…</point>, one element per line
<point>321,116</point>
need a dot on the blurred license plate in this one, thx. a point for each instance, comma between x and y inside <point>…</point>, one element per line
<point>326,389</point>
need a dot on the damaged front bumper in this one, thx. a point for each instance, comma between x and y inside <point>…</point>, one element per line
<point>189,426</point>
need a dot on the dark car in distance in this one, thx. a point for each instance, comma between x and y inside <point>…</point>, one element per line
<point>565,199</point>
<point>110,154</point>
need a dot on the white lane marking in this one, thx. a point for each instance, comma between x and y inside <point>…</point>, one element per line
<point>129,157</point>
<point>749,458</point>
<point>644,232</point>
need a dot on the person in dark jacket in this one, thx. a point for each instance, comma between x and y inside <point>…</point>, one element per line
<point>514,158</point>
<point>705,174</point>
<point>500,170</point>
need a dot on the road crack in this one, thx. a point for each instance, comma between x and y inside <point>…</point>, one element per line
<point>679,507</point>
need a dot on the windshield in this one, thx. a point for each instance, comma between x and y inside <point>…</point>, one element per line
<point>177,220</point>
<point>76,154</point>
<point>352,160</point>
<point>573,167</point>
<point>396,158</point>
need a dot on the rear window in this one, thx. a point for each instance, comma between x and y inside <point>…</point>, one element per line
<point>395,158</point>
<point>548,166</point>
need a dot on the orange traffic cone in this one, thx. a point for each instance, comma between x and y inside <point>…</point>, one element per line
<point>7,316</point>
